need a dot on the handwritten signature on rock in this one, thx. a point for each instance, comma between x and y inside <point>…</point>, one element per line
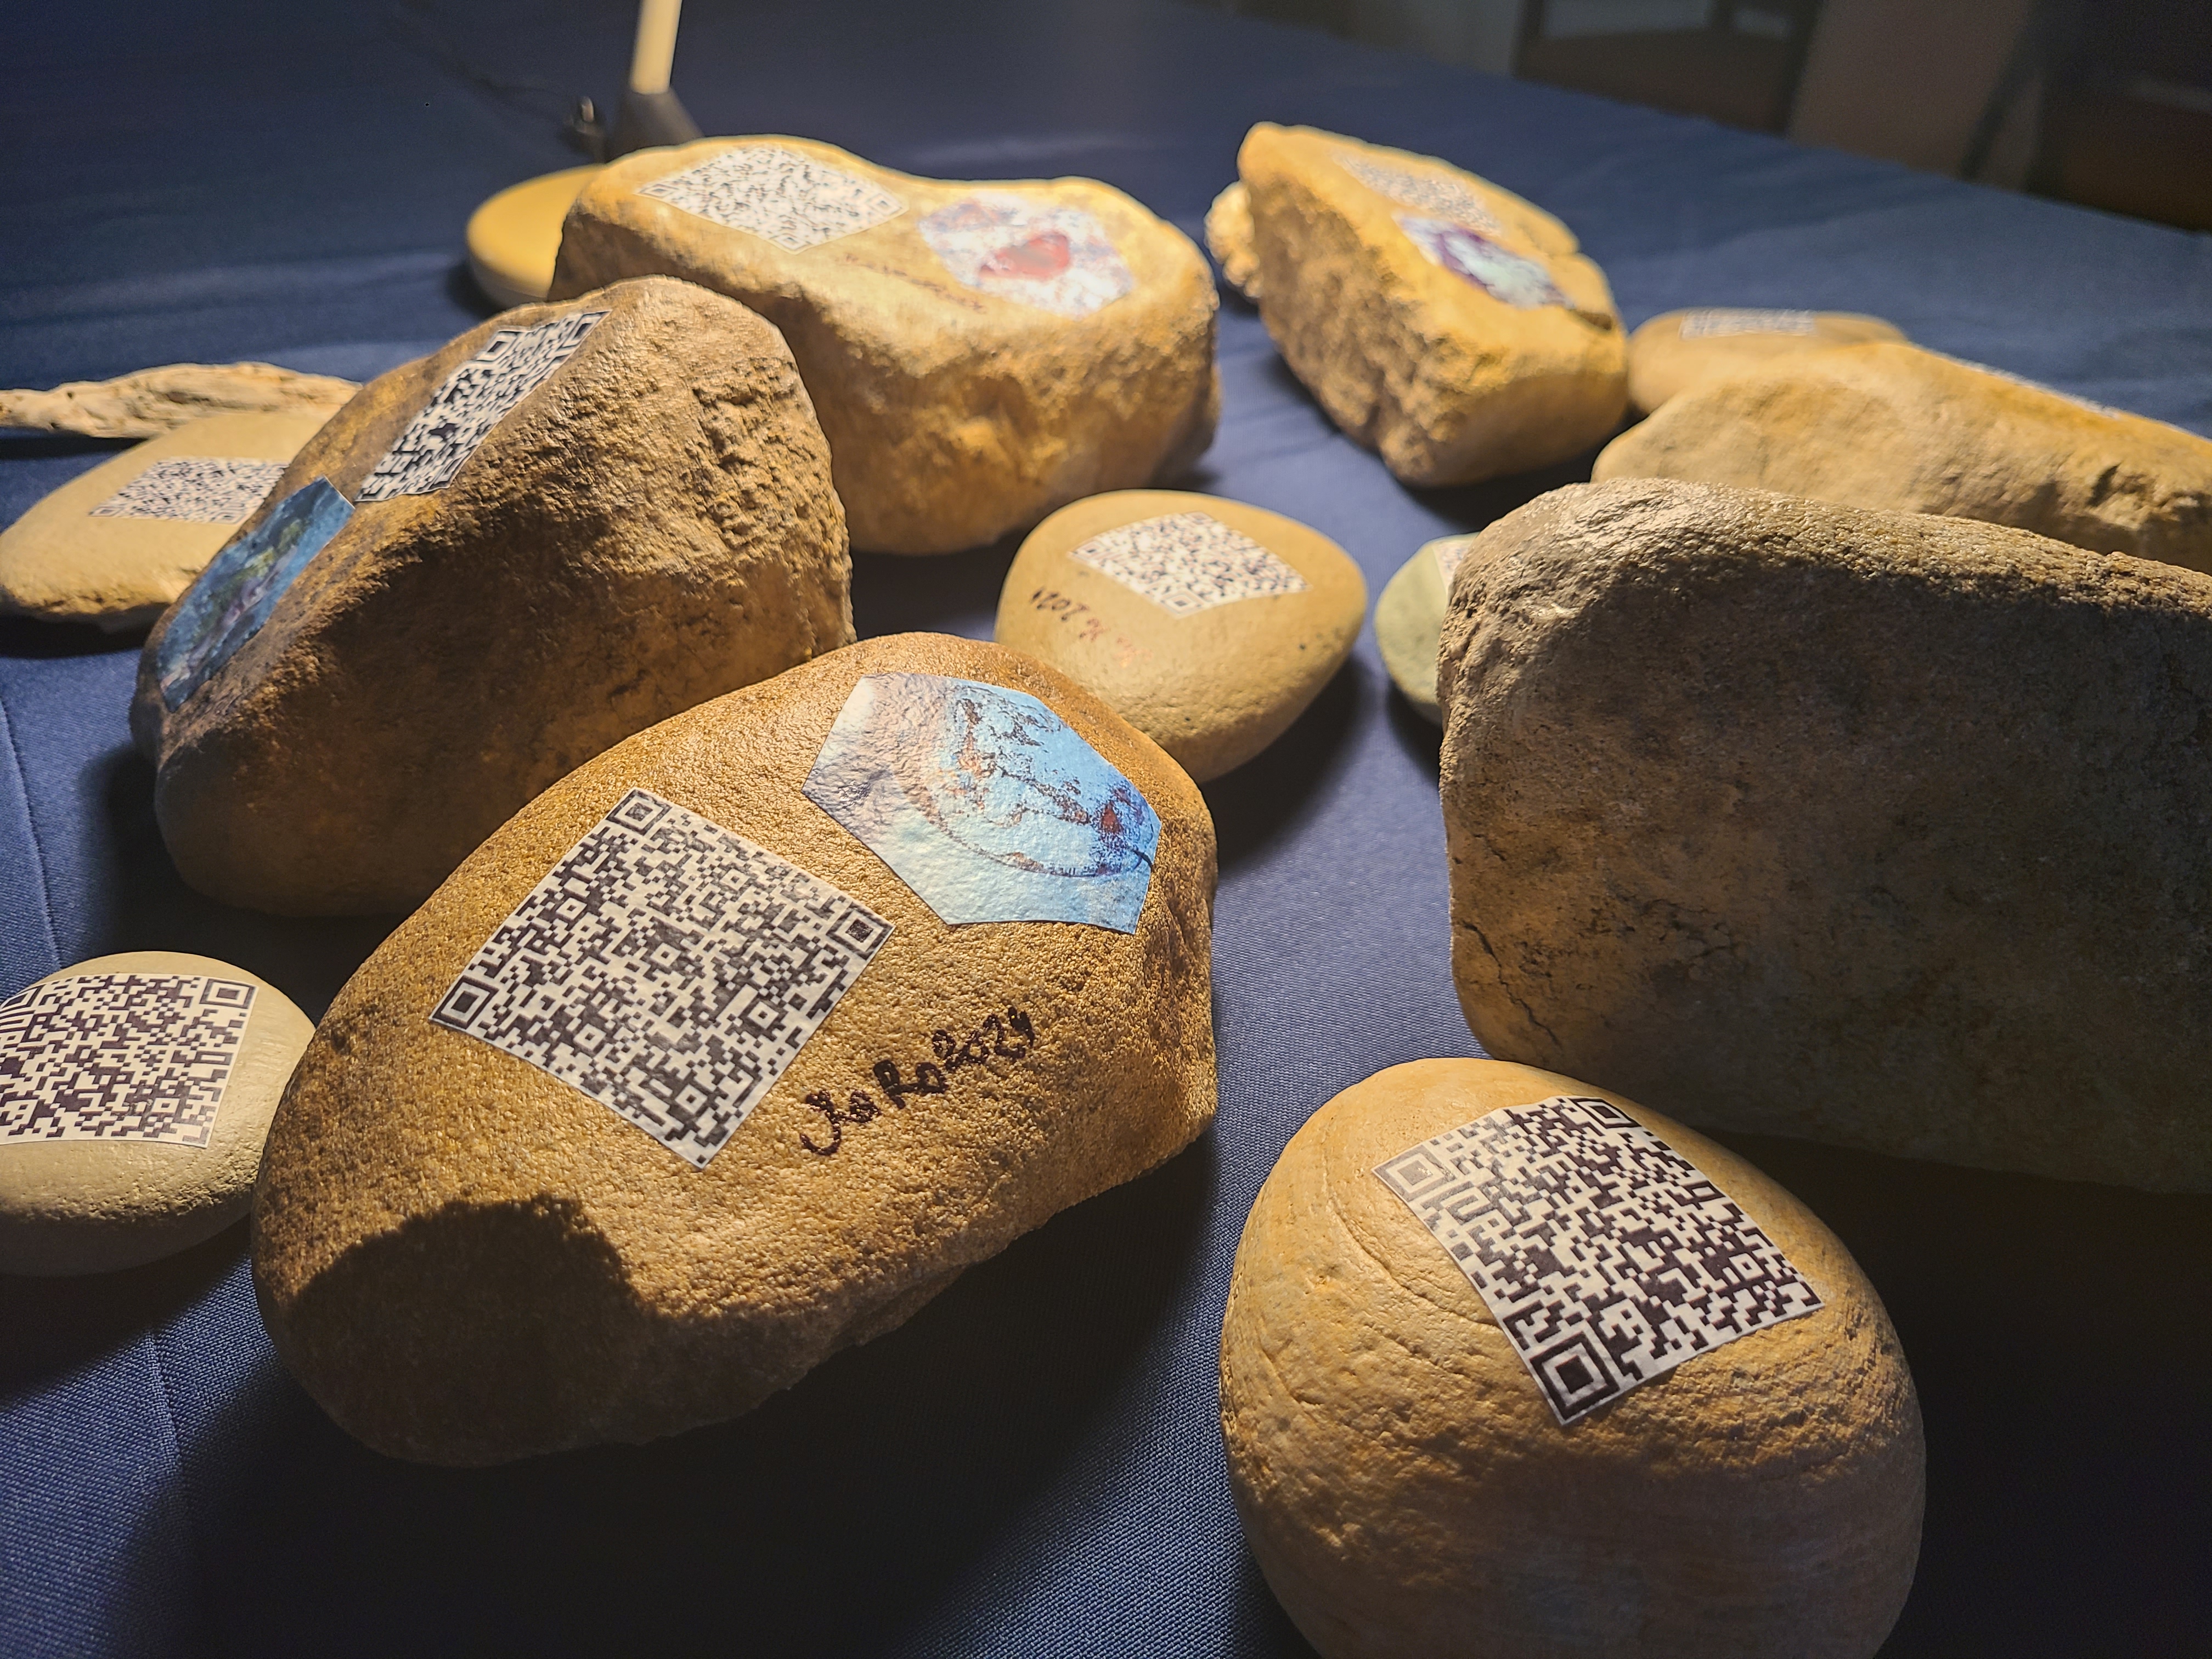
<point>1008,1038</point>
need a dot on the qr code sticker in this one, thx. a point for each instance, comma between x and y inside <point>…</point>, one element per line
<point>198,488</point>
<point>1605,1256</point>
<point>1450,553</point>
<point>1189,562</point>
<point>778,195</point>
<point>667,968</point>
<point>119,1057</point>
<point>472,400</point>
<point>1439,195</point>
<point>1718,325</point>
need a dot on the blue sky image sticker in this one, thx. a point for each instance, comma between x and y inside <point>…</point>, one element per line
<point>229,600</point>
<point>985,804</point>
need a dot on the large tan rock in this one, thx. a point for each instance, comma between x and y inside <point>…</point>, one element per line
<point>1740,1467</point>
<point>979,353</point>
<point>1868,828</point>
<point>1441,321</point>
<point>791,1085</point>
<point>1677,349</point>
<point>114,546</point>
<point>1895,427</point>
<point>157,400</point>
<point>500,560</point>
<point>135,1092</point>
<point>1209,624</point>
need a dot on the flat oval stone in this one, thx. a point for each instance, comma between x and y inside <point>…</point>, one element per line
<point>1677,349</point>
<point>1444,323</point>
<point>1208,624</point>
<point>1878,828</point>
<point>497,562</point>
<point>135,1090</point>
<point>114,546</point>
<point>979,353</point>
<point>149,402</point>
<point>1907,430</point>
<point>1409,619</point>
<point>1698,1437</point>
<point>735,1047</point>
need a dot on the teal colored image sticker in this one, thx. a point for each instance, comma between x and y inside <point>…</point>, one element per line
<point>986,804</point>
<point>229,600</point>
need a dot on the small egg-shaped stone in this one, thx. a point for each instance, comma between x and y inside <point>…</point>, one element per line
<point>1409,619</point>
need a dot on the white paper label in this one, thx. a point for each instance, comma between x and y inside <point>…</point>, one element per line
<point>1718,325</point>
<point>1056,258</point>
<point>1189,562</point>
<point>119,1057</point>
<point>195,488</point>
<point>778,195</point>
<point>1437,195</point>
<point>1450,553</point>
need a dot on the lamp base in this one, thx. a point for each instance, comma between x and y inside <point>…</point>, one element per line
<point>649,119</point>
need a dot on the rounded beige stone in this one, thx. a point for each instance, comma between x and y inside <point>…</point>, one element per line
<point>1409,1495</point>
<point>1229,239</point>
<point>60,563</point>
<point>1409,620</point>
<point>1212,687</point>
<point>955,414</point>
<point>1662,363</point>
<point>152,401</point>
<point>89,1206</point>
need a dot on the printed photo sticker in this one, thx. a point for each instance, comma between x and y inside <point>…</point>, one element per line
<point>1187,562</point>
<point>1606,1257</point>
<point>229,601</point>
<point>667,968</point>
<point>1469,254</point>
<point>1718,324</point>
<point>778,195</point>
<point>472,400</point>
<point>1439,196</point>
<point>986,804</point>
<point>1056,258</point>
<point>119,1057</point>
<point>195,488</point>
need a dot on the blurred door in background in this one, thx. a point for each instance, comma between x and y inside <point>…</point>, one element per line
<point>1729,61</point>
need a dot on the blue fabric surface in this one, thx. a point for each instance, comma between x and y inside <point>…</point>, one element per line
<point>1033,1464</point>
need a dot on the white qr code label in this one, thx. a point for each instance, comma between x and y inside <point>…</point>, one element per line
<point>1450,553</point>
<point>1606,1257</point>
<point>1719,325</point>
<point>119,1057</point>
<point>197,488</point>
<point>1187,562</point>
<point>778,195</point>
<point>1439,194</point>
<point>472,400</point>
<point>667,968</point>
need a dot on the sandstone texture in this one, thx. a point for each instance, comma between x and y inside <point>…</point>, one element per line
<point>1208,624</point>
<point>1441,321</point>
<point>143,1186</point>
<point>650,524</point>
<point>115,545</point>
<point>465,1259</point>
<point>1409,1493</point>
<point>1409,619</point>
<point>1894,426</point>
<point>979,353</point>
<point>1677,349</point>
<point>1870,828</point>
<point>156,400</point>
<point>1229,239</point>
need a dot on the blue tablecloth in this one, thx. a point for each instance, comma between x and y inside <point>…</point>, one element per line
<point>1033,1465</point>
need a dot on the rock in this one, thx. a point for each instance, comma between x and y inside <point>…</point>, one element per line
<point>573,521</point>
<point>1409,618</point>
<point>845,984</point>
<point>114,546</point>
<point>979,354</point>
<point>157,400</point>
<point>1868,828</point>
<point>1440,320</point>
<point>135,1093</point>
<point>1677,349</point>
<point>1209,625</point>
<point>1908,431</point>
<point>1229,239</point>
<point>1408,1487</point>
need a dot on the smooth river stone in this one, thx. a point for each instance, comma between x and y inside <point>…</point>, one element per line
<point>979,353</point>
<point>736,1046</point>
<point>1405,1482</point>
<point>135,1093</point>
<point>1677,349</point>
<point>1441,321</point>
<point>1209,624</point>
<point>498,561</point>
<point>116,546</point>
<point>153,401</point>
<point>1409,619</point>
<point>1878,829</point>
<point>1909,430</point>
